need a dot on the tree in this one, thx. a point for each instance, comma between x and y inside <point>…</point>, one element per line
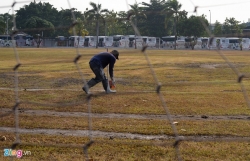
<point>231,27</point>
<point>134,13</point>
<point>194,26</point>
<point>79,28</point>
<point>113,24</point>
<point>43,11</point>
<point>217,29</point>
<point>65,21</point>
<point>2,25</point>
<point>96,13</point>
<point>154,24</point>
<point>124,24</point>
<point>61,20</point>
<point>4,19</point>
<point>38,25</point>
<point>172,10</point>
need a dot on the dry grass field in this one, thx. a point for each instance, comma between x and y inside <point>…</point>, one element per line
<point>200,100</point>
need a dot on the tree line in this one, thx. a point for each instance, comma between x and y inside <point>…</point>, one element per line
<point>157,18</point>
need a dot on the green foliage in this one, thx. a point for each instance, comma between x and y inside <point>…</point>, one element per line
<point>217,29</point>
<point>65,21</point>
<point>173,11</point>
<point>135,12</point>
<point>113,24</point>
<point>44,11</point>
<point>193,26</point>
<point>2,25</point>
<point>96,14</point>
<point>124,24</point>
<point>231,26</point>
<point>39,26</point>
<point>79,28</point>
<point>154,24</point>
<point>156,18</point>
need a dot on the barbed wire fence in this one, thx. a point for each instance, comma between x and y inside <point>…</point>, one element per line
<point>178,139</point>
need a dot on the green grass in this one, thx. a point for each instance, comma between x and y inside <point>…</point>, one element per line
<point>193,83</point>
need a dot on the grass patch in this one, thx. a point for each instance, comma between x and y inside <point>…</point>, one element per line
<point>129,125</point>
<point>193,83</point>
<point>124,149</point>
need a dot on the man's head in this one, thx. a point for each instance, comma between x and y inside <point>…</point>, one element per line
<point>115,53</point>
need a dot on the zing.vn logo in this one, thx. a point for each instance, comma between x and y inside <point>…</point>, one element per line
<point>17,153</point>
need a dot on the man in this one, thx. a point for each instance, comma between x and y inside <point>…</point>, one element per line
<point>97,63</point>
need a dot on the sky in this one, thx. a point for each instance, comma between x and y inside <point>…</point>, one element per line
<point>214,10</point>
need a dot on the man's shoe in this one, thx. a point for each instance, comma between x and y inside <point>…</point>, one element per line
<point>85,90</point>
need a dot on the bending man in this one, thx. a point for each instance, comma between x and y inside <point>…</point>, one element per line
<point>97,64</point>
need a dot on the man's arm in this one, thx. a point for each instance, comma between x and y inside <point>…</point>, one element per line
<point>111,71</point>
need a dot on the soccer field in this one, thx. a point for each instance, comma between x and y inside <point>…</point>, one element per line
<point>169,105</point>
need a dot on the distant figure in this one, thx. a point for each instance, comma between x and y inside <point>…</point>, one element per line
<point>218,44</point>
<point>27,42</point>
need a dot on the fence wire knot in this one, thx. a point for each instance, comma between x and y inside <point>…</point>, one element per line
<point>16,66</point>
<point>13,4</point>
<point>178,140</point>
<point>158,88</point>
<point>77,58</point>
<point>16,106</point>
<point>144,48</point>
<point>195,8</point>
<point>240,78</point>
<point>14,32</point>
<point>86,146</point>
<point>14,145</point>
<point>73,24</point>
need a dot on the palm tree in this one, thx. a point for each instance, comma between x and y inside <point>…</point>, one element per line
<point>2,25</point>
<point>173,11</point>
<point>96,13</point>
<point>135,12</point>
<point>154,24</point>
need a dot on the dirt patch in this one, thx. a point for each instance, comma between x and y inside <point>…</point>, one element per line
<point>113,135</point>
<point>209,66</point>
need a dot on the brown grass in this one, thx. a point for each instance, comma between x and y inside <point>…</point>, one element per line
<point>193,83</point>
